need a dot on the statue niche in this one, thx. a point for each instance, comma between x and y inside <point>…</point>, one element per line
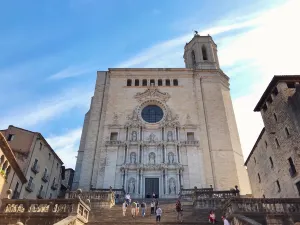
<point>132,157</point>
<point>172,186</point>
<point>170,136</point>
<point>134,136</point>
<point>170,157</point>
<point>152,158</point>
<point>131,186</point>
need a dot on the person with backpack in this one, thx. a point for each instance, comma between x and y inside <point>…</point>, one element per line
<point>143,207</point>
<point>179,210</point>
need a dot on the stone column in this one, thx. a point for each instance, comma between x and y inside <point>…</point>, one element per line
<point>177,185</point>
<point>167,180</point>
<point>142,186</point>
<point>161,192</point>
<point>126,178</point>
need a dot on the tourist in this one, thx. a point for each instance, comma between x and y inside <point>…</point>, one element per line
<point>212,217</point>
<point>143,207</point>
<point>226,222</point>
<point>158,214</point>
<point>179,210</point>
<point>124,208</point>
<point>152,207</point>
<point>153,195</point>
<point>137,208</point>
<point>127,198</point>
<point>133,209</point>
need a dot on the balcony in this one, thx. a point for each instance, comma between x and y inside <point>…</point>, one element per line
<point>190,142</point>
<point>54,186</point>
<point>41,195</point>
<point>113,143</point>
<point>45,178</point>
<point>35,168</point>
<point>30,187</point>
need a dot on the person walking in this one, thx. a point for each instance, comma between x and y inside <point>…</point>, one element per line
<point>124,208</point>
<point>137,211</point>
<point>226,222</point>
<point>133,209</point>
<point>179,210</point>
<point>212,217</point>
<point>143,207</point>
<point>152,205</point>
<point>158,214</point>
<point>127,198</point>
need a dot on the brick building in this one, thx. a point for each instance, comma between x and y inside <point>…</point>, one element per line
<point>274,162</point>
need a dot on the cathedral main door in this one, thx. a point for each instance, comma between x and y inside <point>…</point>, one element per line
<point>151,186</point>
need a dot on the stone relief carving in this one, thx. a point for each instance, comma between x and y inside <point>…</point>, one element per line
<point>134,136</point>
<point>133,120</point>
<point>152,138</point>
<point>172,186</point>
<point>132,157</point>
<point>152,93</point>
<point>171,157</point>
<point>131,186</point>
<point>115,118</point>
<point>152,158</point>
<point>170,136</point>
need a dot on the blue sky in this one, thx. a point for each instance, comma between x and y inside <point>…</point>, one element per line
<point>51,50</point>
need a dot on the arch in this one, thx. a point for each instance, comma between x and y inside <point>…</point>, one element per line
<point>193,57</point>
<point>172,186</point>
<point>2,159</point>
<point>152,81</point>
<point>175,82</point>
<point>168,83</point>
<point>129,82</point>
<point>8,171</point>
<point>136,82</point>
<point>152,158</point>
<point>159,82</point>
<point>133,157</point>
<point>145,82</point>
<point>5,165</point>
<point>204,52</point>
<point>134,136</point>
<point>131,185</point>
<point>171,157</point>
<point>170,136</point>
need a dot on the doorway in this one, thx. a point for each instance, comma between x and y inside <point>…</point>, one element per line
<point>151,185</point>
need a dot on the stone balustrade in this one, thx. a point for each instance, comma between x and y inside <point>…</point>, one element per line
<point>44,211</point>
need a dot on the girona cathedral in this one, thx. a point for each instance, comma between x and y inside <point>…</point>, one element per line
<point>162,129</point>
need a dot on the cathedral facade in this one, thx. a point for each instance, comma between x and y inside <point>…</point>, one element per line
<point>161,129</point>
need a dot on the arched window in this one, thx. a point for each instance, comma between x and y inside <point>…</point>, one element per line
<point>1,159</point>
<point>204,52</point>
<point>193,57</point>
<point>4,165</point>
<point>152,158</point>
<point>8,170</point>
<point>144,82</point>
<point>152,82</point>
<point>159,82</point>
<point>129,82</point>
<point>175,82</point>
<point>259,180</point>
<point>137,82</point>
<point>168,83</point>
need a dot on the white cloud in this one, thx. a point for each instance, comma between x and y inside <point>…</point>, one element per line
<point>66,146</point>
<point>73,71</point>
<point>46,109</point>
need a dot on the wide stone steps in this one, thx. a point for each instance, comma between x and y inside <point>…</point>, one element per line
<point>115,215</point>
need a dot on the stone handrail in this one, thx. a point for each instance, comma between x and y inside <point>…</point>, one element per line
<point>238,219</point>
<point>199,194</point>
<point>278,206</point>
<point>54,210</point>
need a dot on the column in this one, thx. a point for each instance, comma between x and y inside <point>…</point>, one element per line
<point>178,185</point>
<point>142,186</point>
<point>167,180</point>
<point>182,182</point>
<point>126,177</point>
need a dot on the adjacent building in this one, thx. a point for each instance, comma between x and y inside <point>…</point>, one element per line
<point>161,129</point>
<point>11,175</point>
<point>38,161</point>
<point>274,162</point>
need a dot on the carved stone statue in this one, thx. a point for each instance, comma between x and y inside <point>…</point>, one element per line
<point>134,136</point>
<point>172,186</point>
<point>131,186</point>
<point>152,137</point>
<point>115,118</point>
<point>152,158</point>
<point>170,136</point>
<point>132,157</point>
<point>171,157</point>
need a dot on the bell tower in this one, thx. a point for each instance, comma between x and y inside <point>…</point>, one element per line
<point>201,53</point>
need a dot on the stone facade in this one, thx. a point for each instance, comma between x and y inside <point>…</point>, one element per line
<point>195,143</point>
<point>38,161</point>
<point>274,164</point>
<point>11,175</point>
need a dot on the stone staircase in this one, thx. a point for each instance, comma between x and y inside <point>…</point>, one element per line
<point>114,215</point>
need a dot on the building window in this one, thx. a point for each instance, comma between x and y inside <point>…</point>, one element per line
<point>144,82</point>
<point>193,57</point>
<point>204,52</point>
<point>275,117</point>
<point>7,171</point>
<point>152,114</point>
<point>159,82</point>
<point>264,196</point>
<point>287,132</point>
<point>292,168</point>
<point>275,92</point>
<point>54,179</point>
<point>278,185</point>
<point>259,180</point>
<point>10,137</point>
<point>114,136</point>
<point>129,82</point>
<point>56,165</point>
<point>270,100</point>
<point>41,146</point>
<point>254,160</point>
<point>30,181</point>
<point>49,156</point>
<point>152,82</point>
<point>175,82</point>
<point>298,187</point>
<point>137,82</point>
<point>277,143</point>
<point>266,144</point>
<point>271,161</point>
<point>190,136</point>
<point>265,107</point>
<point>290,85</point>
<point>168,83</point>
<point>35,163</point>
